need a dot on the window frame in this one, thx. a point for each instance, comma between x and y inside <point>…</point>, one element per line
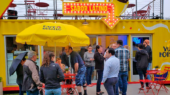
<point>6,65</point>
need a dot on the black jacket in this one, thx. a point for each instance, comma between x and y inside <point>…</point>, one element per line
<point>99,61</point>
<point>64,59</point>
<point>149,50</point>
<point>19,72</point>
<point>51,75</point>
<point>142,59</point>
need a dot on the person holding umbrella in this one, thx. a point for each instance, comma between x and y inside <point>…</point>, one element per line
<point>19,72</point>
<point>17,65</point>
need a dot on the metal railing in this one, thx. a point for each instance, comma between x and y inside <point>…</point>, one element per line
<point>22,9</point>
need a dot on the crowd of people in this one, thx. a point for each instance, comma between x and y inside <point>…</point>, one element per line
<point>112,68</point>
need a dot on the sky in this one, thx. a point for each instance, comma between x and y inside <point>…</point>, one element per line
<point>141,3</point>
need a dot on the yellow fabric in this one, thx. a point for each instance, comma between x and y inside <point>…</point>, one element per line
<point>4,4</point>
<point>44,33</point>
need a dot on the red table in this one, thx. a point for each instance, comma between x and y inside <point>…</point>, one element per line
<point>42,4</point>
<point>12,5</point>
<point>131,5</point>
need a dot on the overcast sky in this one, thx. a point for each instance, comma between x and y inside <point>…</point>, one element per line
<point>141,3</point>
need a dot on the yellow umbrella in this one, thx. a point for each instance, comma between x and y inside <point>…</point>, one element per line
<point>53,34</point>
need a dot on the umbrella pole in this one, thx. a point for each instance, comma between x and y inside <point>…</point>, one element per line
<point>55,52</point>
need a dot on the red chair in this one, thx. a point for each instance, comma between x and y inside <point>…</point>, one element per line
<point>149,72</point>
<point>160,79</point>
<point>65,86</point>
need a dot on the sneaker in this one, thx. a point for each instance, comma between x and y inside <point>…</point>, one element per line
<point>141,88</point>
<point>71,92</point>
<point>120,92</point>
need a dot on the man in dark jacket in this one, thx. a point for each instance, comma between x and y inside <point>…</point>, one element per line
<point>149,50</point>
<point>31,80</point>
<point>142,63</point>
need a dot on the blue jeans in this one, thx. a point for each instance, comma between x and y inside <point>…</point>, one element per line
<point>120,85</point>
<point>100,76</point>
<point>149,67</point>
<point>36,92</point>
<point>20,90</point>
<point>53,91</point>
<point>142,73</point>
<point>89,71</point>
<point>122,77</point>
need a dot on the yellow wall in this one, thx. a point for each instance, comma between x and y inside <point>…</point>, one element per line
<point>160,35</point>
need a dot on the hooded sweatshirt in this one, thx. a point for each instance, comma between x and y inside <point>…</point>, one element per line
<point>142,59</point>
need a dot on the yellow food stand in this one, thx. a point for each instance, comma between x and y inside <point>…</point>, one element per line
<point>157,31</point>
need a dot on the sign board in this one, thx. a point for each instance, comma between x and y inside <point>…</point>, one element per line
<point>4,4</point>
<point>107,10</point>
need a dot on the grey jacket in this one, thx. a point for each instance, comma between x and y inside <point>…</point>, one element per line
<point>31,76</point>
<point>87,57</point>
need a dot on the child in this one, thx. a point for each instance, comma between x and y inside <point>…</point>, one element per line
<point>68,81</point>
<point>61,65</point>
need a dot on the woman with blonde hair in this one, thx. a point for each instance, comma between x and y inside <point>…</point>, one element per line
<point>51,74</point>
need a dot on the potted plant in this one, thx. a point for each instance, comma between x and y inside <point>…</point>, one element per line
<point>66,70</point>
<point>1,87</point>
<point>156,67</point>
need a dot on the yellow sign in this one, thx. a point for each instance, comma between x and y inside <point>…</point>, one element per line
<point>4,4</point>
<point>110,10</point>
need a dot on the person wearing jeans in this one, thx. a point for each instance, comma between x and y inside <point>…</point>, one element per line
<point>147,47</point>
<point>99,80</point>
<point>89,72</point>
<point>31,80</point>
<point>149,68</point>
<point>123,55</point>
<point>54,91</point>
<point>142,59</point>
<point>99,66</point>
<point>123,78</point>
<point>89,63</point>
<point>142,73</point>
<point>36,92</point>
<point>51,74</point>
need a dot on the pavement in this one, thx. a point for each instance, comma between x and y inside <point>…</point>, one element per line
<point>133,89</point>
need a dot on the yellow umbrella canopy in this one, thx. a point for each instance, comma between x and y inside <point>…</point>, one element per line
<point>53,34</point>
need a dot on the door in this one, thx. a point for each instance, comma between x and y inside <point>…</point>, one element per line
<point>135,40</point>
